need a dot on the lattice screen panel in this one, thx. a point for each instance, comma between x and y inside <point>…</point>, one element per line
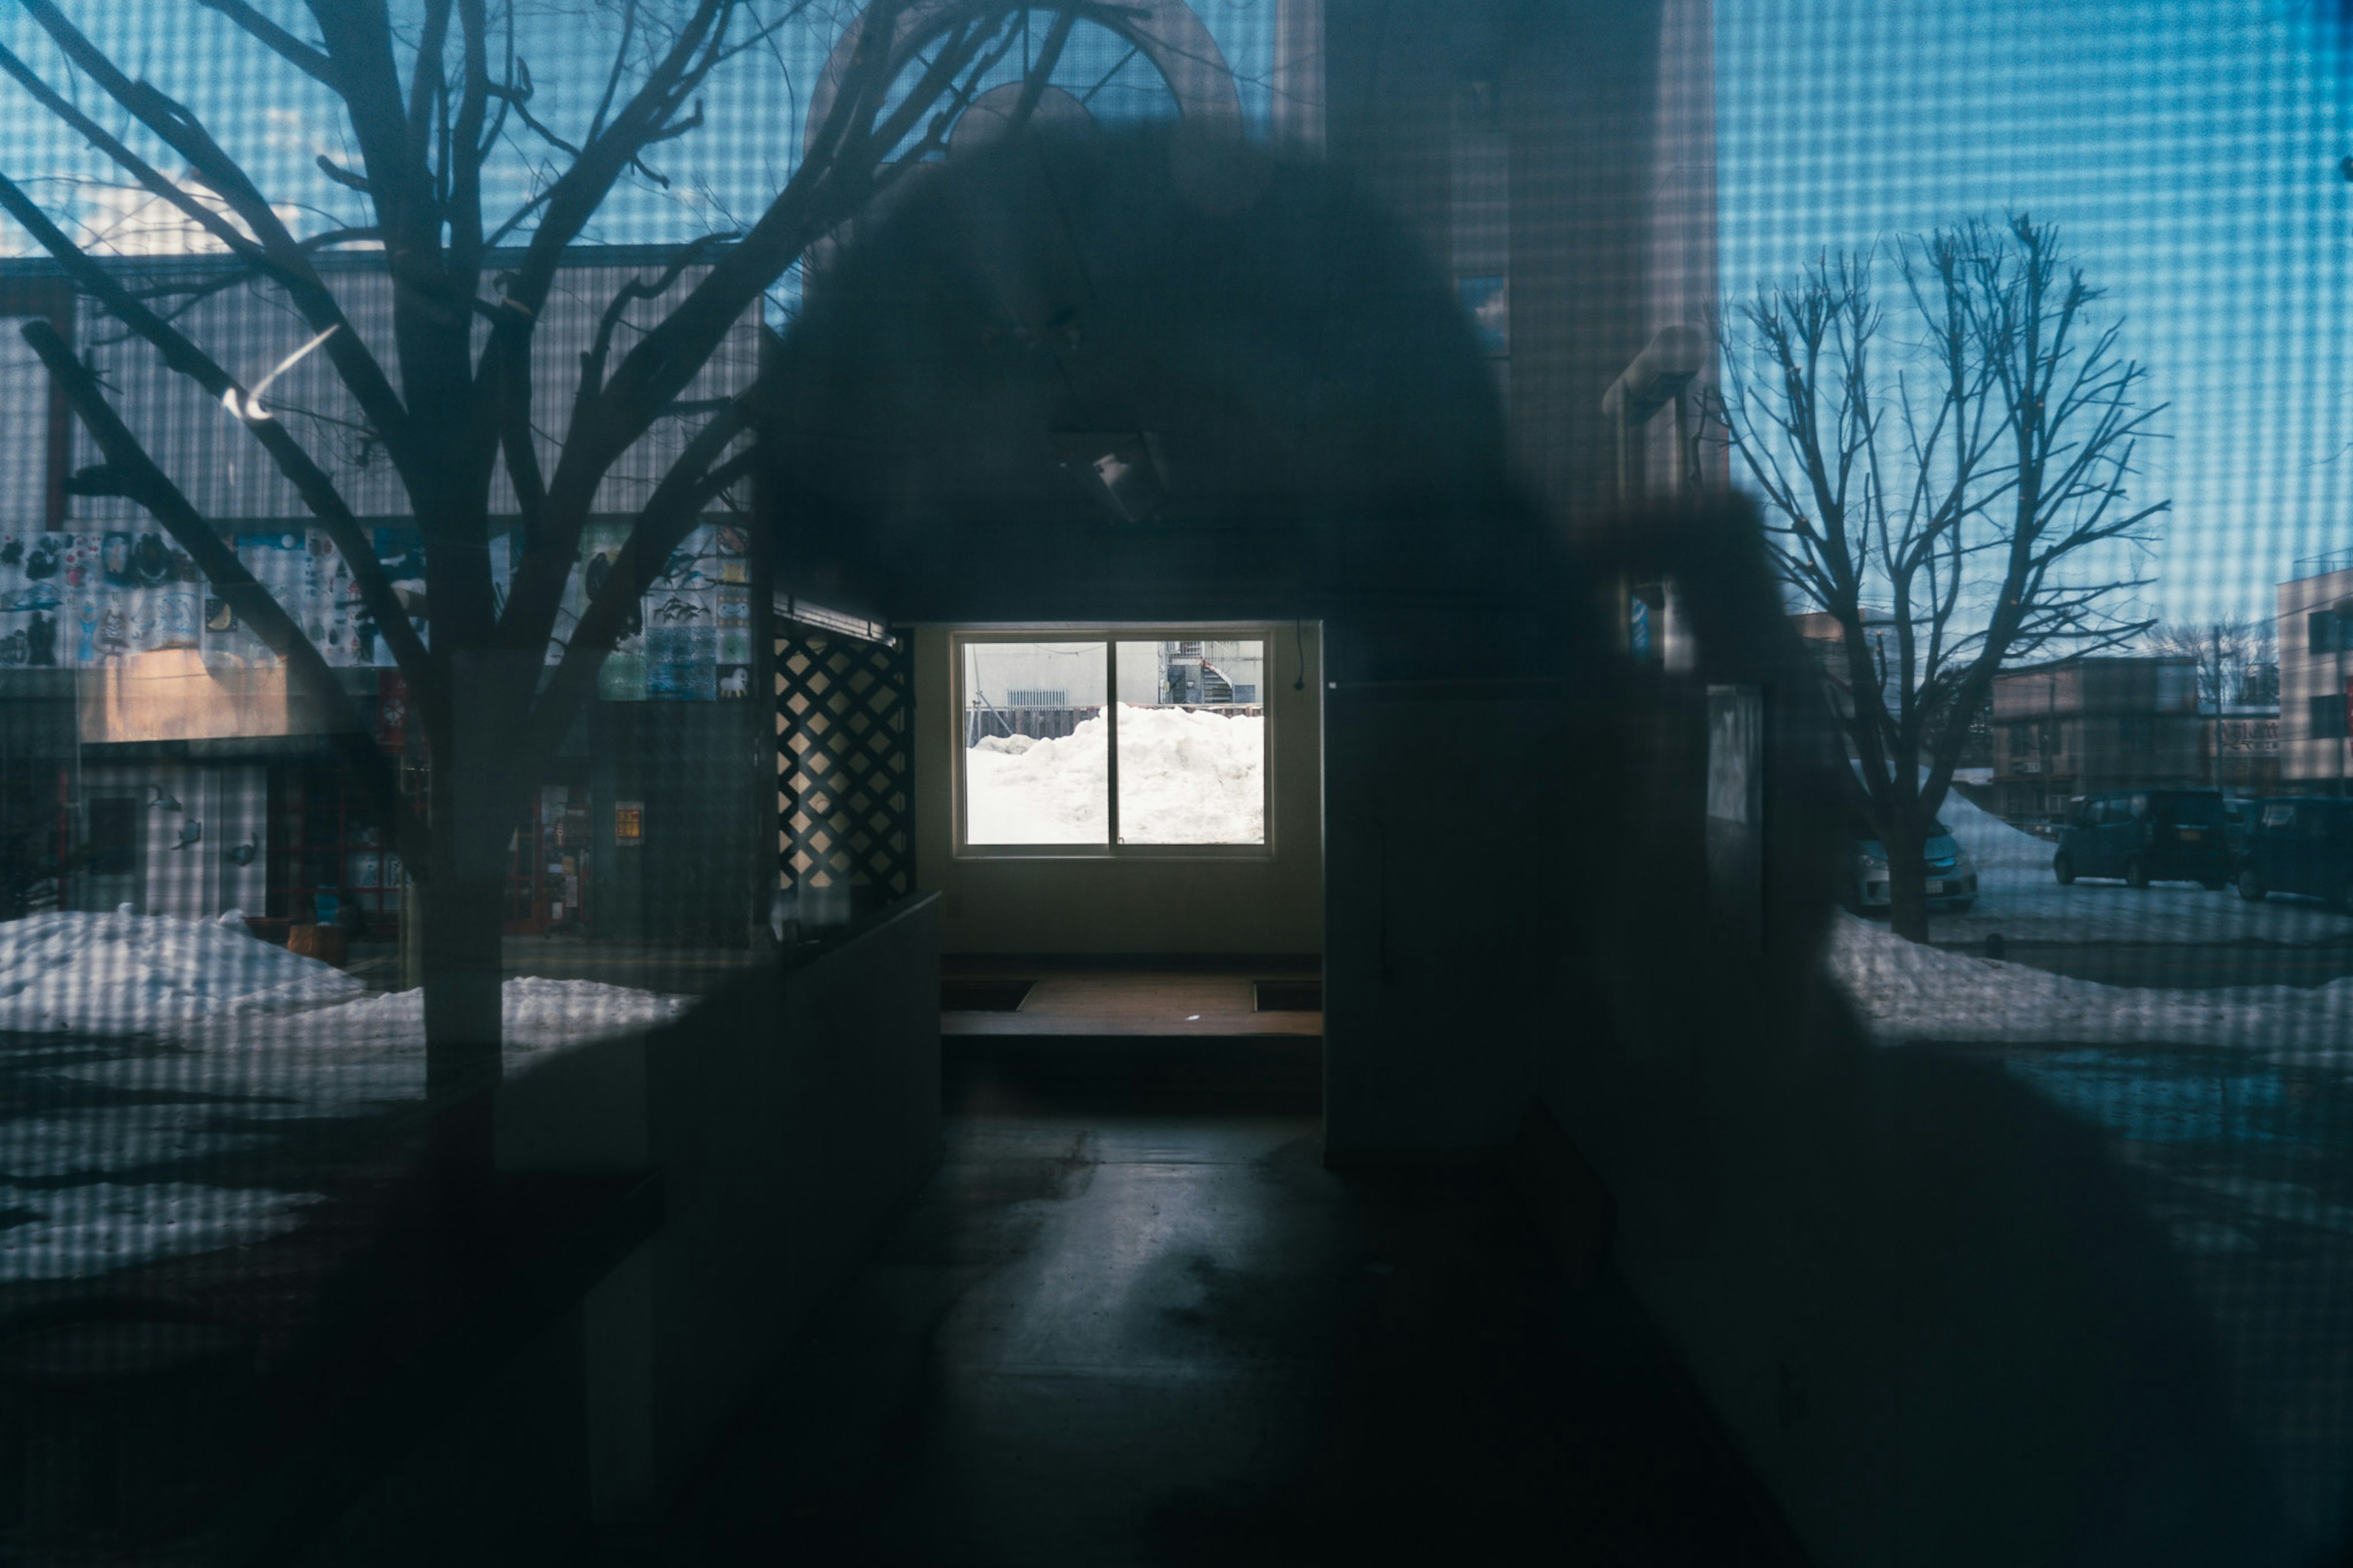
<point>845,765</point>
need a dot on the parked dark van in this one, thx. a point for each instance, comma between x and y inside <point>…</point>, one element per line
<point>2300,844</point>
<point>2147,835</point>
<point>2238,821</point>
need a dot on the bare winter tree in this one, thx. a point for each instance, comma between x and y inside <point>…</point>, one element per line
<point>434,93</point>
<point>2237,659</point>
<point>1952,490</point>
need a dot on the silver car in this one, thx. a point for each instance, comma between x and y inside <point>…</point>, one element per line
<point>1952,875</point>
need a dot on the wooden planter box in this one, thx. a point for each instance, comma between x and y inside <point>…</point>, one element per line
<point>329,944</point>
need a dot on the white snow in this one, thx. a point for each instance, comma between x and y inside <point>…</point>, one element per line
<point>535,1016</point>
<point>1185,776</point>
<point>1191,776</point>
<point>129,973</point>
<point>86,1230</point>
<point>1906,992</point>
<point>1989,840</point>
<point>1048,792</point>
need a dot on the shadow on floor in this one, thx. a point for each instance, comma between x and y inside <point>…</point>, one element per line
<point>1157,1338</point>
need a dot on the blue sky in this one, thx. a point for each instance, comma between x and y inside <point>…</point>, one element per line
<point>278,122</point>
<point>2189,149</point>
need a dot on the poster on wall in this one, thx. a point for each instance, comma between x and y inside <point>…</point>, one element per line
<point>281,563</point>
<point>622,677</point>
<point>329,615</point>
<point>85,600</point>
<point>30,606</point>
<point>681,621</point>
<point>734,650</point>
<point>400,556</point>
<point>681,652</point>
<point>93,599</point>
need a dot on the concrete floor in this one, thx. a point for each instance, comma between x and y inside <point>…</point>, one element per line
<point>1155,1338</point>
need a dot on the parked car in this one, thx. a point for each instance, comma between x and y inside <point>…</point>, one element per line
<point>2238,819</point>
<point>2147,835</point>
<point>2300,845</point>
<point>1952,875</point>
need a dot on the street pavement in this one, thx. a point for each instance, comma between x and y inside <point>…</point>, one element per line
<point>2026,904</point>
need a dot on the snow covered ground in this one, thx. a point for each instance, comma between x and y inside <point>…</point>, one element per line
<point>1185,776</point>
<point>248,1038</point>
<point>1908,991</point>
<point>144,974</point>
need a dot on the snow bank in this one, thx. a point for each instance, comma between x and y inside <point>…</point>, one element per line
<point>1906,992</point>
<point>74,1232</point>
<point>252,1071</point>
<point>129,974</point>
<point>202,983</point>
<point>1185,776</point>
<point>1048,792</point>
<point>535,1016</point>
<point>1990,841</point>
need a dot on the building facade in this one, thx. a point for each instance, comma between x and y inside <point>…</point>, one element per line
<point>2242,748</point>
<point>2082,725</point>
<point>163,761</point>
<point>2316,674</point>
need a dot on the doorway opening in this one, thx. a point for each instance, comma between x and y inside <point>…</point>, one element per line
<point>1125,822</point>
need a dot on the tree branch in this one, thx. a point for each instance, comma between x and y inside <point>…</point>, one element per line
<point>311,482</point>
<point>131,474</point>
<point>670,514</point>
<point>309,61</point>
<point>185,134</point>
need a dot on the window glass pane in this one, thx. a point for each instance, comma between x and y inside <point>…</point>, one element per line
<point>1192,743</point>
<point>1035,765</point>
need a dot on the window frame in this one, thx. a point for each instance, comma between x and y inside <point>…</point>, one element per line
<point>1111,635</point>
<point>2324,716</point>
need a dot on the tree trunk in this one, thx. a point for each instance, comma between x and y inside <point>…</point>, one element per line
<point>1907,890</point>
<point>463,899</point>
<point>464,910</point>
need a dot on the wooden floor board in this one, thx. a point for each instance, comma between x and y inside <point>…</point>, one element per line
<point>1141,1001</point>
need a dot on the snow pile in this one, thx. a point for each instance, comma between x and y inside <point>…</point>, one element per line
<point>1990,841</point>
<point>535,1016</point>
<point>1185,776</point>
<point>128,974</point>
<point>1905,992</point>
<point>74,1232</point>
<point>252,1070</point>
<point>279,1037</point>
<point>1047,792</point>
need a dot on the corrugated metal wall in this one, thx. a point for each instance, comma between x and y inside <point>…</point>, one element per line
<point>249,328</point>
